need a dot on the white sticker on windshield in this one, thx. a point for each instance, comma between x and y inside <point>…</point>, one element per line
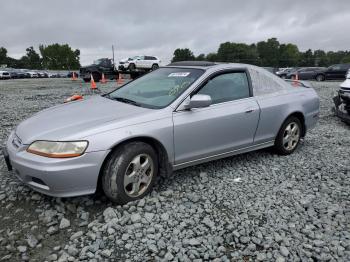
<point>179,74</point>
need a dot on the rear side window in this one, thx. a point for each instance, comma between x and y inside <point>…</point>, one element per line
<point>264,82</point>
<point>226,87</point>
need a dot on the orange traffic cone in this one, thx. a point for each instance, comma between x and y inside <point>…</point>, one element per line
<point>92,82</point>
<point>103,79</point>
<point>73,98</point>
<point>74,78</point>
<point>120,80</point>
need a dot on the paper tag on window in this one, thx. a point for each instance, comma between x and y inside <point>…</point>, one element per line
<point>179,74</point>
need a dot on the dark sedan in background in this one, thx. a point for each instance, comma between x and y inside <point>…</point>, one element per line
<point>308,73</point>
<point>336,72</point>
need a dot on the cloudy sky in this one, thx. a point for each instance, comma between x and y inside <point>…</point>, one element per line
<point>157,27</point>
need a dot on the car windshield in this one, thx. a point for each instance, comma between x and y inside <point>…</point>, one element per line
<point>157,89</point>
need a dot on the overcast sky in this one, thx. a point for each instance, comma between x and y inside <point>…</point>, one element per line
<point>157,27</point>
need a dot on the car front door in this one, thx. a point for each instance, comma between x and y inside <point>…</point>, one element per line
<point>229,123</point>
<point>140,62</point>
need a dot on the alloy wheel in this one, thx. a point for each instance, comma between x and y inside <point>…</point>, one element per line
<point>291,136</point>
<point>138,175</point>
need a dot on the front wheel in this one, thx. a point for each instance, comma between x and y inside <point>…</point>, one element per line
<point>130,172</point>
<point>132,67</point>
<point>288,137</point>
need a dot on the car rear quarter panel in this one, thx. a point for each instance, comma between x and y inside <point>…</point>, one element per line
<point>275,109</point>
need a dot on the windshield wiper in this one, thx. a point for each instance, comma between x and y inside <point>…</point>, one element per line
<point>125,100</point>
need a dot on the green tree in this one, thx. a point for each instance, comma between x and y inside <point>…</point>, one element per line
<point>288,55</point>
<point>307,58</point>
<point>269,52</point>
<point>58,57</point>
<point>211,57</point>
<point>31,60</point>
<point>321,58</point>
<point>201,57</point>
<point>3,55</point>
<point>237,52</point>
<point>183,54</point>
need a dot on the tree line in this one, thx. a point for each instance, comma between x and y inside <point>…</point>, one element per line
<point>269,53</point>
<point>52,57</point>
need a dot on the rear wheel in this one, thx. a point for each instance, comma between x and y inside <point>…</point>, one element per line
<point>130,172</point>
<point>288,137</point>
<point>320,78</point>
<point>155,67</point>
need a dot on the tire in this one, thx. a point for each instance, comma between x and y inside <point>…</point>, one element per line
<point>283,76</point>
<point>284,144</point>
<point>132,67</point>
<point>118,182</point>
<point>320,78</point>
<point>155,67</point>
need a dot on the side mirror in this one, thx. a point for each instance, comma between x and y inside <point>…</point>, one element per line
<point>198,101</point>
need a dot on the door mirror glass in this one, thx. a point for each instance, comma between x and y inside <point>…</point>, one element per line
<point>198,101</point>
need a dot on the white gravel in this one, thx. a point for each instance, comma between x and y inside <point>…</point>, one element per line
<point>252,207</point>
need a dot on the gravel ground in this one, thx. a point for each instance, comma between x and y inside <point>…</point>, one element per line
<point>253,207</point>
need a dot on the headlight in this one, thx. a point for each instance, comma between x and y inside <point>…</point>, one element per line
<point>58,149</point>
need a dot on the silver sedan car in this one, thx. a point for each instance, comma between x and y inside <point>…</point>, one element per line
<point>177,116</point>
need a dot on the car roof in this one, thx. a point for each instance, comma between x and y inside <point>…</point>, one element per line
<point>212,66</point>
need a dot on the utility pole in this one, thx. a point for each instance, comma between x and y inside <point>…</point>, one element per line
<point>113,54</point>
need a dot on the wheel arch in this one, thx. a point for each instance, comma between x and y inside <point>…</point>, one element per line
<point>165,167</point>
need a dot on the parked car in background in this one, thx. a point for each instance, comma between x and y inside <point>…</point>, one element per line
<point>13,73</point>
<point>180,115</point>
<point>4,75</point>
<point>342,100</point>
<point>33,74</point>
<point>272,70</point>
<point>70,74</point>
<point>285,71</point>
<point>336,72</point>
<point>307,73</point>
<point>142,62</point>
<point>97,68</point>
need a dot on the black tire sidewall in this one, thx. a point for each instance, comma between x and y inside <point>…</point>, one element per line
<point>320,78</point>
<point>132,67</point>
<point>279,139</point>
<point>155,66</point>
<point>116,166</point>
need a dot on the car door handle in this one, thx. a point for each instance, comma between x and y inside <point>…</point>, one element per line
<point>249,110</point>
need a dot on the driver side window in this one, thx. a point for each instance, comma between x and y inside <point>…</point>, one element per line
<point>226,87</point>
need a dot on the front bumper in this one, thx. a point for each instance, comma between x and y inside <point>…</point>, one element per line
<point>339,109</point>
<point>56,177</point>
<point>123,67</point>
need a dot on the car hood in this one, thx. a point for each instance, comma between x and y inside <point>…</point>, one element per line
<point>124,59</point>
<point>74,120</point>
